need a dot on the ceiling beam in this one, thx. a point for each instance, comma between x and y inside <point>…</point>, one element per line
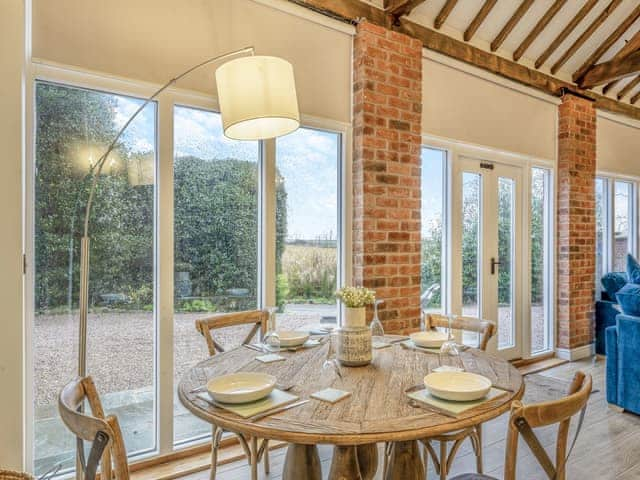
<point>459,50</point>
<point>600,19</point>
<point>480,17</point>
<point>629,47</point>
<point>628,87</point>
<point>398,8</point>
<point>635,98</point>
<point>537,30</point>
<point>606,45</point>
<point>444,13</point>
<point>611,70</point>
<point>562,36</point>
<point>510,25</point>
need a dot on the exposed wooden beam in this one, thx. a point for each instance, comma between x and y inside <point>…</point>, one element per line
<point>540,26</point>
<point>444,13</point>
<point>347,10</point>
<point>459,50</point>
<point>629,47</point>
<point>635,98</point>
<point>398,8</point>
<point>575,21</point>
<point>510,25</point>
<point>628,87</point>
<point>479,18</point>
<point>611,70</point>
<point>600,19</point>
<point>606,45</point>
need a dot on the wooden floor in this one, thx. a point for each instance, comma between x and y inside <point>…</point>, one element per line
<point>608,447</point>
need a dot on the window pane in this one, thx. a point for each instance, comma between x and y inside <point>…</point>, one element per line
<point>471,215</point>
<point>622,233</point>
<point>307,188</point>
<point>506,271</point>
<point>73,128</point>
<point>433,172</point>
<point>601,220</point>
<point>216,240</point>
<point>539,245</point>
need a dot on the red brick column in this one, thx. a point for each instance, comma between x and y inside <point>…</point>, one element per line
<point>386,171</point>
<point>576,222</point>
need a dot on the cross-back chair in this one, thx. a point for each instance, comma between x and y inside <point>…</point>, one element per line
<point>104,434</point>
<point>524,418</point>
<point>205,326</point>
<point>443,460</point>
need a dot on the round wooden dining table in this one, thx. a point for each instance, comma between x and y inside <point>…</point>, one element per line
<point>378,409</point>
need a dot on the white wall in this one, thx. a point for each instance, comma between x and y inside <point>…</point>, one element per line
<point>617,145</point>
<point>11,324</point>
<point>466,107</point>
<point>154,40</point>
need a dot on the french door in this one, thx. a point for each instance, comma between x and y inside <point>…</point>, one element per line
<point>488,259</point>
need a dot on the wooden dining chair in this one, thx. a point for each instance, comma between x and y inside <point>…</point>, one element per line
<point>524,418</point>
<point>107,446</point>
<point>206,327</point>
<point>443,459</point>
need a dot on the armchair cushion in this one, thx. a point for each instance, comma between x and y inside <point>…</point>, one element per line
<point>629,299</point>
<point>612,282</point>
<point>623,367</point>
<point>633,269</point>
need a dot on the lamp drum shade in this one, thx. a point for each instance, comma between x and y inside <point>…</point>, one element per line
<point>257,97</point>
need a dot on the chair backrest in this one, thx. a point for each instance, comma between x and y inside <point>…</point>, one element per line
<point>103,432</point>
<point>484,328</point>
<point>256,317</point>
<point>526,417</point>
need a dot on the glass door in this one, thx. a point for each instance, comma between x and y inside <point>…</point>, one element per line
<point>487,249</point>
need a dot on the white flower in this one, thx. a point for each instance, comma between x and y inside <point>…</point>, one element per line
<point>356,297</point>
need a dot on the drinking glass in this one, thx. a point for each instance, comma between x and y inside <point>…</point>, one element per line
<point>271,340</point>
<point>331,360</point>
<point>450,347</point>
<point>377,332</point>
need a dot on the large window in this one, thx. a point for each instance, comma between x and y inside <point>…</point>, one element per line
<point>233,203</point>
<point>616,224</point>
<point>73,127</point>
<point>541,256</point>
<point>307,220</point>
<point>434,167</point>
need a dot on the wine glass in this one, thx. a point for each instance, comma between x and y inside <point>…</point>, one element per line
<point>331,360</point>
<point>377,332</point>
<point>271,340</point>
<point>450,347</point>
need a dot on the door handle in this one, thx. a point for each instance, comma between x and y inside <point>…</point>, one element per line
<point>493,265</point>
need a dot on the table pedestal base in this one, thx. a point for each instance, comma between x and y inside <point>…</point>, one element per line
<point>405,462</point>
<point>302,461</point>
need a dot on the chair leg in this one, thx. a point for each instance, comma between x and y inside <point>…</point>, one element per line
<point>443,460</point>
<point>254,458</point>
<point>425,459</point>
<point>387,453</point>
<point>266,457</point>
<point>216,433</point>
<point>478,434</point>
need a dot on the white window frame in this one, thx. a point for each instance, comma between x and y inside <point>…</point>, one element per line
<point>455,150</point>
<point>164,248</point>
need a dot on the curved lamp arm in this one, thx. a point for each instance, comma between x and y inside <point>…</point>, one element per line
<point>95,171</point>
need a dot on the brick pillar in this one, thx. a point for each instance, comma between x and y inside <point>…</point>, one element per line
<point>386,171</point>
<point>576,221</point>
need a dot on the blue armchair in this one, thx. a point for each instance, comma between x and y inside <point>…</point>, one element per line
<point>623,367</point>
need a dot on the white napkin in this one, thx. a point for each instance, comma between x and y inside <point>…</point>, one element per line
<point>269,358</point>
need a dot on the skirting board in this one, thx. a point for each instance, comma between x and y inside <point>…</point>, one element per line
<point>573,354</point>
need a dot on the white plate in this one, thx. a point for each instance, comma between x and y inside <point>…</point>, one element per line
<point>292,339</point>
<point>241,387</point>
<point>457,386</point>
<point>429,339</point>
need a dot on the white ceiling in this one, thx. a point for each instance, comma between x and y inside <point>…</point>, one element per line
<point>466,10</point>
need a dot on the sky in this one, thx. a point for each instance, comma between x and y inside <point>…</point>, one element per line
<point>307,159</point>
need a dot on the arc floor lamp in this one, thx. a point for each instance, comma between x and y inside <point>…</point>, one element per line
<point>257,100</point>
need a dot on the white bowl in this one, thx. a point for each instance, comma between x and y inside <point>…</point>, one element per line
<point>429,339</point>
<point>457,386</point>
<point>241,387</point>
<point>291,338</point>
